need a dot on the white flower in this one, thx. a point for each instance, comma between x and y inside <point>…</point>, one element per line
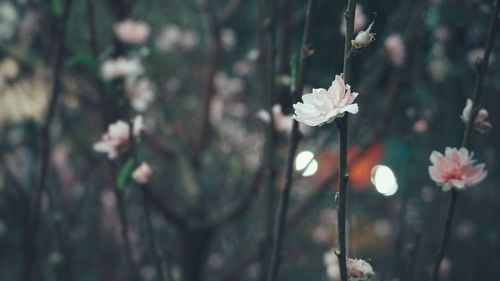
<point>142,173</point>
<point>121,68</point>
<point>323,106</point>
<point>481,124</point>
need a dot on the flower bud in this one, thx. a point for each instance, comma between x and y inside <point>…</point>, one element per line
<point>364,38</point>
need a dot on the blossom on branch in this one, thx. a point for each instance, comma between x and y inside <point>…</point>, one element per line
<point>117,139</point>
<point>142,173</point>
<point>455,169</point>
<point>323,106</point>
<point>480,124</point>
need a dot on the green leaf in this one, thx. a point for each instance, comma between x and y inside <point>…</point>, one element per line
<point>83,59</point>
<point>125,175</point>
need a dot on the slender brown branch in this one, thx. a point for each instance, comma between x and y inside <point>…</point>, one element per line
<point>109,113</point>
<point>31,250</point>
<point>241,206</point>
<point>153,243</point>
<point>164,209</point>
<point>279,231</point>
<point>229,11</point>
<point>481,70</point>
<point>266,37</point>
<point>343,128</point>
<point>216,52</point>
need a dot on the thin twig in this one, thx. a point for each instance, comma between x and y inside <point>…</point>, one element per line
<point>343,128</point>
<point>481,69</point>
<point>34,225</point>
<point>153,243</point>
<point>215,56</point>
<point>109,113</point>
<point>280,224</point>
<point>266,37</point>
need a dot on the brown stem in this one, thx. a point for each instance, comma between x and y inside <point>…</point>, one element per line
<point>481,69</point>
<point>343,127</point>
<point>279,231</point>
<point>153,243</point>
<point>216,52</point>
<point>35,216</point>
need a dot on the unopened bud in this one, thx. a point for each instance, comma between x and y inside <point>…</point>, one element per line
<point>364,37</point>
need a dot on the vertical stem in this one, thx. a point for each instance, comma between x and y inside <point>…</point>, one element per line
<point>343,126</point>
<point>279,231</point>
<point>266,29</point>
<point>446,234</point>
<point>153,243</point>
<point>481,69</point>
<point>31,248</point>
<point>109,112</point>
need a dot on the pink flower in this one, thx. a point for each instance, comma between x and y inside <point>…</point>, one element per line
<point>132,32</point>
<point>323,106</point>
<point>481,124</point>
<point>395,49</point>
<point>455,169</point>
<point>142,173</point>
<point>116,139</point>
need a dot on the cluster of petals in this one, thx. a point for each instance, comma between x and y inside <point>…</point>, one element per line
<point>142,173</point>
<point>121,68</point>
<point>323,106</point>
<point>116,140</point>
<point>132,32</point>
<point>455,169</point>
<point>357,269</point>
<point>481,124</point>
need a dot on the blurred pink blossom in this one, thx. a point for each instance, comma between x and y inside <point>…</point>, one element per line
<point>283,123</point>
<point>442,34</point>
<point>359,20</point>
<point>116,139</point>
<point>121,68</point>
<point>132,32</point>
<point>323,106</point>
<point>173,37</point>
<point>476,55</point>
<point>420,126</point>
<point>455,169</point>
<point>142,173</point>
<point>395,48</point>
<point>228,38</point>
<point>481,124</point>
<point>141,93</point>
